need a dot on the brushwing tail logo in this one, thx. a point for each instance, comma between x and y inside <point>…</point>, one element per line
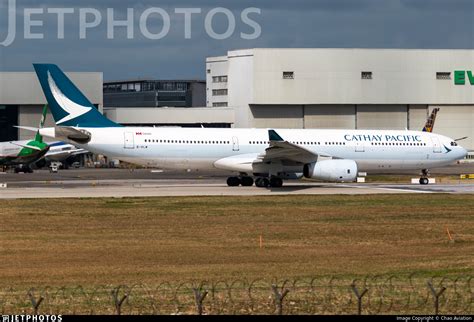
<point>447,150</point>
<point>73,109</point>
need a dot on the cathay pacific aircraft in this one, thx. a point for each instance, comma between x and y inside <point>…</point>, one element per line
<point>262,156</point>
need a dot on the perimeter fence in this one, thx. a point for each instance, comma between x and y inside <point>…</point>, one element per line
<point>401,295</point>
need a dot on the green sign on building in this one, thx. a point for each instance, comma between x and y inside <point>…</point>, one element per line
<point>460,77</point>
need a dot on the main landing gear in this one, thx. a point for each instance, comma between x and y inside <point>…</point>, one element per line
<point>424,177</point>
<point>237,181</point>
<point>260,182</point>
<point>24,169</point>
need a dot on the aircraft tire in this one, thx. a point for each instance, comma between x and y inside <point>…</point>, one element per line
<point>424,181</point>
<point>262,182</point>
<point>247,181</point>
<point>233,181</point>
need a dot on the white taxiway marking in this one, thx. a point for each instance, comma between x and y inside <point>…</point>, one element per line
<point>392,189</point>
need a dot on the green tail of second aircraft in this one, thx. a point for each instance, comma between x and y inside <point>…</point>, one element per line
<point>39,137</point>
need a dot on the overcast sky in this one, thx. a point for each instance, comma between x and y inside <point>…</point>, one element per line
<point>284,23</point>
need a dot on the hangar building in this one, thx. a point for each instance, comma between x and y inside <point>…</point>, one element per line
<point>346,88</point>
<point>291,88</point>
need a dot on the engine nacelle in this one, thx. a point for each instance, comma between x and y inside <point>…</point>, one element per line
<point>332,170</point>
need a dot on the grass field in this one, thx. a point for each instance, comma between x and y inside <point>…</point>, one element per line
<point>105,241</point>
<point>74,252</point>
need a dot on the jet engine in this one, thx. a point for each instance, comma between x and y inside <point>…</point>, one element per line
<point>332,170</point>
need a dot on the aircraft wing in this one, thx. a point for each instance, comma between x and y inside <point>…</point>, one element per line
<point>66,153</point>
<point>27,146</point>
<point>280,149</point>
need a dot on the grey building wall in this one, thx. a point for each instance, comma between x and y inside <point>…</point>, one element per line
<point>329,117</point>
<point>162,116</point>
<point>24,88</point>
<point>198,92</point>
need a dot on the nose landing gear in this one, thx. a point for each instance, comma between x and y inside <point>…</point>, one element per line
<point>424,177</point>
<point>424,181</point>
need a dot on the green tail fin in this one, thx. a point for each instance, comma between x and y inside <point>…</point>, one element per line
<point>39,137</point>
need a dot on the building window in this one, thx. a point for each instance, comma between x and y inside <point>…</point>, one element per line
<point>208,71</point>
<point>443,75</point>
<point>219,92</point>
<point>288,75</point>
<point>366,75</point>
<point>181,86</point>
<point>168,86</point>
<point>220,104</point>
<point>219,79</point>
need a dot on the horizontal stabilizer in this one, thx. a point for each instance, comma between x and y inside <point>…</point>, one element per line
<point>73,134</point>
<point>27,146</point>
<point>70,133</point>
<point>28,128</point>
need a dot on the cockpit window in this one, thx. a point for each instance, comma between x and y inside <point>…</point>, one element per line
<point>454,144</point>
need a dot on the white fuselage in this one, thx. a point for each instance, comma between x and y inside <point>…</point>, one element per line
<point>201,149</point>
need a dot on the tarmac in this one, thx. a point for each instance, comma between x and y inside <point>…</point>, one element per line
<point>116,183</point>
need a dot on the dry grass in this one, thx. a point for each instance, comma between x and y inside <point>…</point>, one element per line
<point>113,241</point>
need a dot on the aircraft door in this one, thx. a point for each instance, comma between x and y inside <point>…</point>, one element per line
<point>129,140</point>
<point>235,144</point>
<point>360,147</point>
<point>436,145</point>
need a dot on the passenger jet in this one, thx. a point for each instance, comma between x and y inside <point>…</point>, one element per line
<point>262,156</point>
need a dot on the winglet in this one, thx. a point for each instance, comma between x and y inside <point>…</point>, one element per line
<point>274,136</point>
